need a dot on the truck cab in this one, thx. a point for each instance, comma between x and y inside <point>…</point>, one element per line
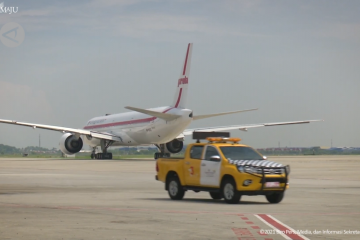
<point>224,168</point>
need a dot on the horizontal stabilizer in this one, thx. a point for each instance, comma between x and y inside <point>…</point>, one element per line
<point>220,114</point>
<point>165,116</point>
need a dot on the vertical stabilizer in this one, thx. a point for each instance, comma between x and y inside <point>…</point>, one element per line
<point>182,84</point>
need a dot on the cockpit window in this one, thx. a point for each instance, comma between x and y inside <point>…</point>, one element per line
<point>191,115</point>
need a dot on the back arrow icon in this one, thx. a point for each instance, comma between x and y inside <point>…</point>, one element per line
<point>10,38</point>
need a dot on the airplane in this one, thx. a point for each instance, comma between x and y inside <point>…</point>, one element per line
<point>165,127</point>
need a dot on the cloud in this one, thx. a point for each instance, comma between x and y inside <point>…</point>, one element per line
<point>343,31</point>
<point>121,3</point>
<point>21,101</point>
<point>131,19</point>
<point>161,20</point>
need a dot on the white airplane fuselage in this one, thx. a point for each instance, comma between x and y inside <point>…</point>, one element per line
<point>140,129</point>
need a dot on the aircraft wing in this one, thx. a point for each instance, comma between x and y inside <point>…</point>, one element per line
<point>243,127</point>
<point>198,117</point>
<point>100,135</point>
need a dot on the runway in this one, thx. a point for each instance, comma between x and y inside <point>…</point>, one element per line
<point>120,199</point>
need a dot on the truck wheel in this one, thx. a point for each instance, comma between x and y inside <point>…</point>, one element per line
<point>229,191</point>
<point>215,195</point>
<point>175,190</point>
<point>275,197</point>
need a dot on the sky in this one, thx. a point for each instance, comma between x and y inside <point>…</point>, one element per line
<point>294,60</point>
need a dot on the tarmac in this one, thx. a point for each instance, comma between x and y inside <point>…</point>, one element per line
<point>120,199</point>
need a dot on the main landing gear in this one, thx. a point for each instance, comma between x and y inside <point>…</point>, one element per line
<point>104,154</point>
<point>162,152</point>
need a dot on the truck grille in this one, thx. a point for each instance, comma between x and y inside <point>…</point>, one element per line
<point>270,171</point>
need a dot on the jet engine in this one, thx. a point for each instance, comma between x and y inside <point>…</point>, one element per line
<point>174,146</point>
<point>69,144</point>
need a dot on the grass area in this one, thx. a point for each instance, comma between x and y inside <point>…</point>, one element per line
<point>30,156</point>
<point>84,156</point>
<point>135,156</point>
<point>127,156</point>
<point>76,157</point>
<point>117,156</point>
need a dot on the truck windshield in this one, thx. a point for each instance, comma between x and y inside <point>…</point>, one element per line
<point>240,153</point>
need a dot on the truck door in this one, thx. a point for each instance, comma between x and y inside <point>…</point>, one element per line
<point>192,166</point>
<point>210,169</point>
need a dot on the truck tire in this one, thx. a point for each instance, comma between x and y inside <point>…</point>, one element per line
<point>229,191</point>
<point>216,195</point>
<point>175,190</point>
<point>275,197</point>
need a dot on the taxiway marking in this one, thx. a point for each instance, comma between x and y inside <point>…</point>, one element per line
<point>282,229</point>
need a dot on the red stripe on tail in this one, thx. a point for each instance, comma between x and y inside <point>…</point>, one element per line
<point>187,54</point>
<point>178,100</point>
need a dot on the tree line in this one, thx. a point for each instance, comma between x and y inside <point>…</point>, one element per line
<point>5,149</point>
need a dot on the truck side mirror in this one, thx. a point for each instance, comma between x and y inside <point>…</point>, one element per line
<point>215,158</point>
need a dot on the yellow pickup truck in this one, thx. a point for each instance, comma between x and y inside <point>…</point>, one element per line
<point>225,169</point>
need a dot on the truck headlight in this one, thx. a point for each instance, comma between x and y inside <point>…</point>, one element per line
<point>251,170</point>
<point>241,169</point>
<point>287,169</point>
